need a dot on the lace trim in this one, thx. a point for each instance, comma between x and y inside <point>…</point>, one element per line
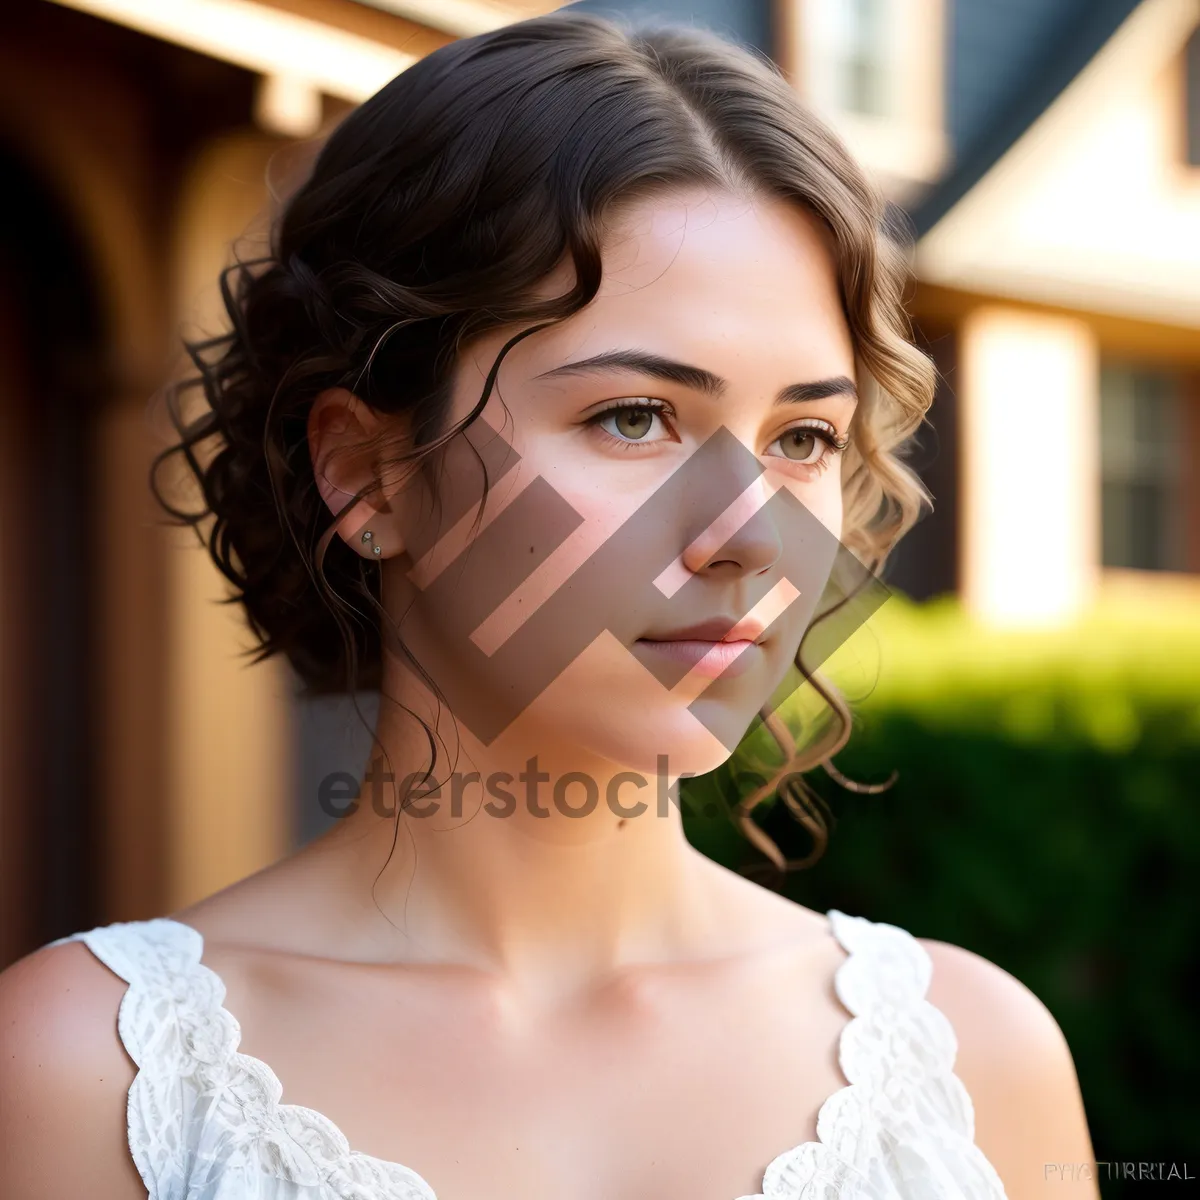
<point>902,1125</point>
<point>173,1022</point>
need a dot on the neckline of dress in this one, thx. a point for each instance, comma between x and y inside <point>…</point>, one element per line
<point>279,1109</point>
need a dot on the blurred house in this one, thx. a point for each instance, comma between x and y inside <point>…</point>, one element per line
<point>1058,259</point>
<point>1044,154</point>
<point>141,764</point>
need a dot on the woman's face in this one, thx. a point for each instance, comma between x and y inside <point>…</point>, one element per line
<point>660,441</point>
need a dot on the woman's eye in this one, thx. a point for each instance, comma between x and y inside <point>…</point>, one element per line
<point>810,446</point>
<point>630,423</point>
<point>802,445</point>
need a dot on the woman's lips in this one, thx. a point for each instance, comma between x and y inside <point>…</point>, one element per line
<point>707,659</point>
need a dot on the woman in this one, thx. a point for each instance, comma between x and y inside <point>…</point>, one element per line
<point>572,364</point>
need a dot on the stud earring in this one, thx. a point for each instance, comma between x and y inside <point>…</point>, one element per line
<point>369,536</point>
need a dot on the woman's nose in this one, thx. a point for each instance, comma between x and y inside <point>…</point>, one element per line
<point>744,540</point>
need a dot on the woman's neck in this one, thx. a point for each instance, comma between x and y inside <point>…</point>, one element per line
<point>541,863</point>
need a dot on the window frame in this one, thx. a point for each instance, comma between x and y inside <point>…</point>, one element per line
<point>908,147</point>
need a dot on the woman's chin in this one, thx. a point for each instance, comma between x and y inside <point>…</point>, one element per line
<point>618,713</point>
<point>656,744</point>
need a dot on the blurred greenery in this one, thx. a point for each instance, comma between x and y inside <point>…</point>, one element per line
<point>1045,817</point>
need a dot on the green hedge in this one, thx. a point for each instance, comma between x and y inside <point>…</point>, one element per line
<point>1045,816</point>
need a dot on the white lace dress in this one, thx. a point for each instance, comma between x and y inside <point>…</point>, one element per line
<point>206,1123</point>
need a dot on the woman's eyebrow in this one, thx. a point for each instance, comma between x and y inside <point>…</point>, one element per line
<point>697,378</point>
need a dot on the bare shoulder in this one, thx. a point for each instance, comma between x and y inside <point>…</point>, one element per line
<point>1018,1070</point>
<point>65,1080</point>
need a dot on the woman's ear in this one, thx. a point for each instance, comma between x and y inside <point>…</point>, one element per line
<point>346,441</point>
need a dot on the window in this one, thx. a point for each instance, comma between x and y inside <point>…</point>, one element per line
<point>1141,440</point>
<point>1191,72</point>
<point>859,29</point>
<point>876,71</point>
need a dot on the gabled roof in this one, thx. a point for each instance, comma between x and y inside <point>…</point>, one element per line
<point>1081,199</point>
<point>1008,62</point>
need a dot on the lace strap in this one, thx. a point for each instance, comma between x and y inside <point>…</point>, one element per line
<point>886,967</point>
<point>203,1118</point>
<point>912,1119</point>
<point>158,960</point>
<point>896,1038</point>
<point>168,997</point>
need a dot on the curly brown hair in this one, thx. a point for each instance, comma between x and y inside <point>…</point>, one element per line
<point>429,218</point>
